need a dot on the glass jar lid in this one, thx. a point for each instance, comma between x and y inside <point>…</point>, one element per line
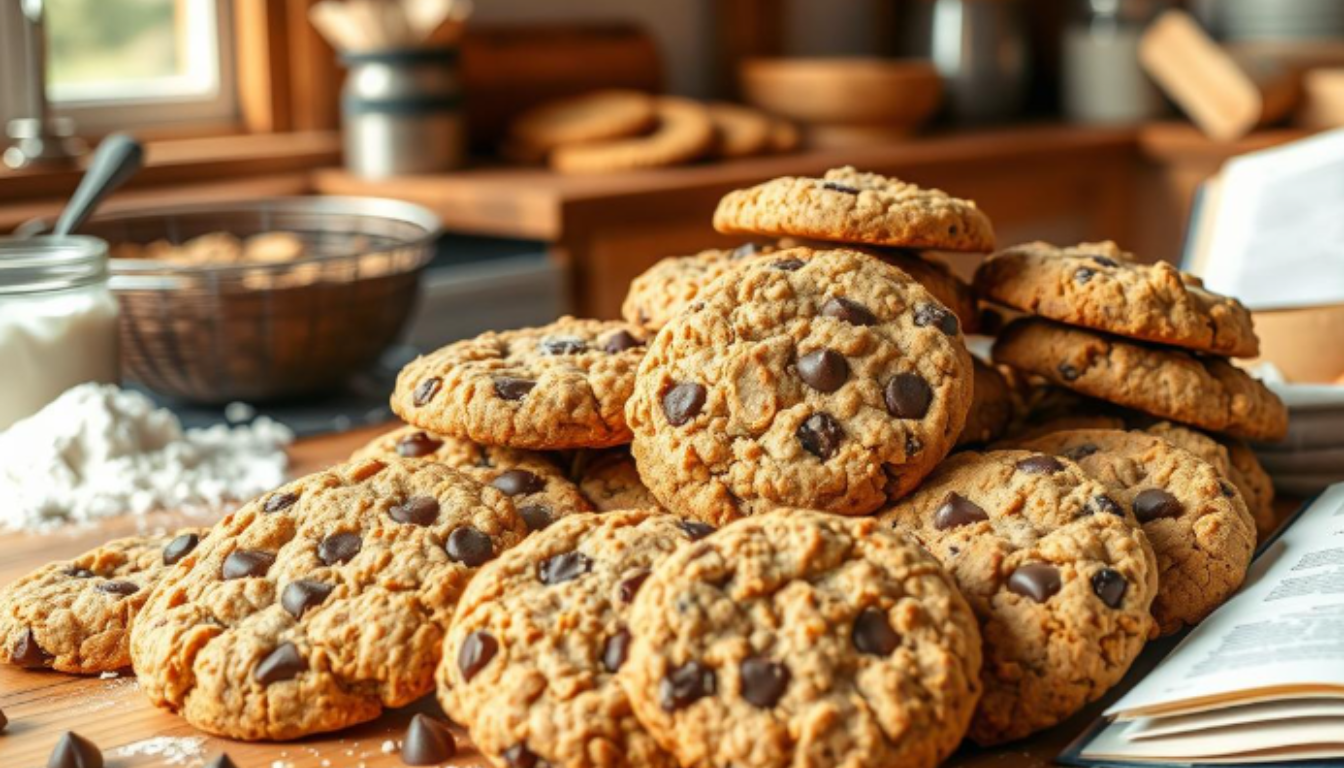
<point>50,263</point>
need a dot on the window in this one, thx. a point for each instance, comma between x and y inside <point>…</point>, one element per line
<point>119,64</point>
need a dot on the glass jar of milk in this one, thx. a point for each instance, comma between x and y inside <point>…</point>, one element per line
<point>58,321</point>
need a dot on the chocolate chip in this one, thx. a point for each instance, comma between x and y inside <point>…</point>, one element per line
<point>744,250</point>
<point>519,756</point>
<point>284,663</point>
<point>1110,586</point>
<point>280,501</point>
<point>1080,452</point>
<point>620,341</point>
<point>847,311</point>
<point>417,510</point>
<point>1069,372</point>
<point>510,388</point>
<point>417,444</point>
<point>426,390</point>
<point>824,370</point>
<point>28,654</point>
<point>221,760</point>
<point>563,567</point>
<point>300,596</point>
<point>1105,261</point>
<point>428,742</point>
<point>629,586</point>
<point>1083,274</point>
<point>615,649</point>
<point>1155,503</point>
<point>1040,464</point>
<point>788,265</point>
<point>938,316</point>
<point>873,634</point>
<point>836,187</point>
<point>518,482</point>
<point>763,681</point>
<point>1227,488</point>
<point>75,751</point>
<point>685,685</point>
<point>1105,504</point>
<point>956,511</point>
<point>695,529</point>
<point>477,651</point>
<point>1038,581</point>
<point>470,547</point>
<point>119,588</point>
<point>246,564</point>
<point>908,396</point>
<point>562,345</point>
<point>683,402</point>
<point>339,548</point>
<point>820,435</point>
<point>180,547</point>
<point>75,572</point>
<point>536,516</point>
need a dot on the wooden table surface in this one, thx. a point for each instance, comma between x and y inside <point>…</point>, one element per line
<point>132,734</point>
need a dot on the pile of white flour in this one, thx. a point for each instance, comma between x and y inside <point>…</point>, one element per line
<point>98,451</point>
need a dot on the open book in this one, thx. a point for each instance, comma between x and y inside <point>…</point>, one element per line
<point>1261,681</point>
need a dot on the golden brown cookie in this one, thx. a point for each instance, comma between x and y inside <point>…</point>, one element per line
<point>596,116</point>
<point>991,407</point>
<point>671,285</point>
<point>683,132</point>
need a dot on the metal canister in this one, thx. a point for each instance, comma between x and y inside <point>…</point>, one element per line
<point>402,112</point>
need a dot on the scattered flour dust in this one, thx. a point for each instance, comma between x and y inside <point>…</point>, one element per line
<point>188,750</point>
<point>99,451</point>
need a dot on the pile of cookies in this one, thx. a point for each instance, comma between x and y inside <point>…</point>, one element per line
<point>618,130</point>
<point>727,531</point>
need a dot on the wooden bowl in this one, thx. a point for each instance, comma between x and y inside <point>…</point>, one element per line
<point>846,91</point>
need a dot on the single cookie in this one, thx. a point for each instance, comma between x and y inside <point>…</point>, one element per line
<point>611,481</point>
<point>1207,392</point>
<point>684,132</point>
<point>537,485</point>
<point>1056,569</point>
<point>1099,286</point>
<point>1199,526</point>
<point>852,207</point>
<point>596,116</point>
<point>739,131</point>
<point>671,285</point>
<point>803,639</point>
<point>75,615</point>
<point>818,379</point>
<point>991,407</point>
<point>529,665</point>
<point>563,385</point>
<point>315,606</point>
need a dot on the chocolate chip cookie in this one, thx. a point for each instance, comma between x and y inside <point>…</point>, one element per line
<point>818,379</point>
<point>1055,568</point>
<point>1100,286</point>
<point>315,606</point>
<point>610,480</point>
<point>560,386</point>
<point>803,639</point>
<point>991,407</point>
<point>529,665</point>
<point>1198,524</point>
<point>664,290</point>
<point>75,615</point>
<point>1206,392</point>
<point>846,205</point>
<point>1235,461</point>
<point>536,484</point>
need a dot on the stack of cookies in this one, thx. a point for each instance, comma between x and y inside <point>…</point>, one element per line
<point>727,530</point>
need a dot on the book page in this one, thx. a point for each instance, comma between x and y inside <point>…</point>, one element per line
<point>1270,711</point>
<point>1267,742</point>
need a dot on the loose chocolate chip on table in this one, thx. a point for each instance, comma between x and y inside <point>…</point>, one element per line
<point>629,586</point>
<point>120,588</point>
<point>562,345</point>
<point>1154,503</point>
<point>563,567</point>
<point>873,634</point>
<point>1038,581</point>
<point>470,547</point>
<point>536,516</point>
<point>339,548</point>
<point>620,341</point>
<point>280,501</point>
<point>510,388</point>
<point>824,370</point>
<point>1040,464</point>
<point>763,681</point>
<point>284,663</point>
<point>1105,261</point>
<point>78,573</point>
<point>302,595</point>
<point>1080,452</point>
<point>477,651</point>
<point>75,751</point>
<point>426,390</point>
<point>835,187</point>
<point>956,511</point>
<point>519,756</point>
<point>695,529</point>
<point>788,265</point>
<point>683,402</point>
<point>1105,504</point>
<point>685,685</point>
<point>246,564</point>
<point>1110,586</point>
<point>820,435</point>
<point>417,444</point>
<point>180,547</point>
<point>28,654</point>
<point>517,482</point>
<point>1069,372</point>
<point>428,742</point>
<point>615,649</point>
<point>417,510</point>
<point>848,311</point>
<point>938,316</point>
<point>1083,274</point>
<point>744,250</point>
<point>221,761</point>
<point>908,396</point>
